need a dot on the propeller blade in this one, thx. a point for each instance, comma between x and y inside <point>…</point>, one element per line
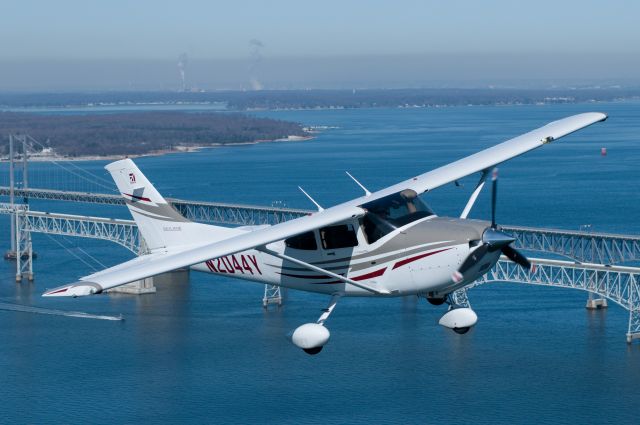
<point>459,275</point>
<point>516,257</point>
<point>494,195</point>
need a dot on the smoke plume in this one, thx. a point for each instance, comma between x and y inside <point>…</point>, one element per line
<point>255,57</point>
<point>182,65</point>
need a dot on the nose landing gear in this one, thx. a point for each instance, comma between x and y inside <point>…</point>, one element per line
<point>460,318</point>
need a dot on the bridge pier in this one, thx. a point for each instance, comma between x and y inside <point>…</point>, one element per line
<point>596,303</point>
<point>148,285</point>
<point>139,287</point>
<point>272,295</point>
<point>24,249</point>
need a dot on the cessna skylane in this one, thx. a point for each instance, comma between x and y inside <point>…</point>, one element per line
<point>387,243</point>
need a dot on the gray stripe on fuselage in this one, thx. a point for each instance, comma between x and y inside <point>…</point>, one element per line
<point>368,262</point>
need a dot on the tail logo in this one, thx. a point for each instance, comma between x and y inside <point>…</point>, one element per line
<point>132,178</point>
<point>137,195</point>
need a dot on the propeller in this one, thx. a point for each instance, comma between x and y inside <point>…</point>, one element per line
<point>516,257</point>
<point>492,240</point>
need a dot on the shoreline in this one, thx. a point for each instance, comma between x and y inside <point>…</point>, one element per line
<point>177,150</point>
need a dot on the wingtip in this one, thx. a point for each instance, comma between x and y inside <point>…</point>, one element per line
<point>77,289</point>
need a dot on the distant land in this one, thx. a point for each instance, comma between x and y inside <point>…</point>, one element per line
<point>322,99</point>
<point>126,129</point>
<point>140,133</point>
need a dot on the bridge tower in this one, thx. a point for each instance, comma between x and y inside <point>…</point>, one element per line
<point>12,198</point>
<point>21,248</point>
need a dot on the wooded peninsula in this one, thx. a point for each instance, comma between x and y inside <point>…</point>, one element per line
<point>139,133</point>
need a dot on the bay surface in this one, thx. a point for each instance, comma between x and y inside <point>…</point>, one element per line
<point>206,352</point>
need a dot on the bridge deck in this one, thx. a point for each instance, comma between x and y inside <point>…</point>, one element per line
<point>594,270</point>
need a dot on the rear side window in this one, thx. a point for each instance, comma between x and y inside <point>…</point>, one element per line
<point>341,236</point>
<point>305,241</point>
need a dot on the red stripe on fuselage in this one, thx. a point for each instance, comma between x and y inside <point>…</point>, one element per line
<point>370,275</point>
<point>417,257</point>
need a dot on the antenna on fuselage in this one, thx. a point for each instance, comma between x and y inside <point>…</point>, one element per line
<point>311,199</point>
<point>366,192</point>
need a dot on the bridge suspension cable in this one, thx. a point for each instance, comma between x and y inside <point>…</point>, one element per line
<point>70,251</point>
<point>91,177</point>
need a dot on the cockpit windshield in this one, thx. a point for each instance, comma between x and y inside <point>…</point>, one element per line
<point>393,211</point>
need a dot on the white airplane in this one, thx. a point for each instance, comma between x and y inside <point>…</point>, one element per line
<point>383,244</point>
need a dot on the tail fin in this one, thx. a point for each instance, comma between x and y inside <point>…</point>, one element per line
<point>160,224</point>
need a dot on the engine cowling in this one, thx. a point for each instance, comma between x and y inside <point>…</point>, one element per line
<point>460,320</point>
<point>311,337</point>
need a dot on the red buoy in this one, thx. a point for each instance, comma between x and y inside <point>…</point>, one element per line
<point>603,151</point>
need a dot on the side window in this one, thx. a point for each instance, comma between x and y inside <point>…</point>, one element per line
<point>305,241</point>
<point>375,227</point>
<point>341,236</point>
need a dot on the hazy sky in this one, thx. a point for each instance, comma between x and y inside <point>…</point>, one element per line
<point>64,36</point>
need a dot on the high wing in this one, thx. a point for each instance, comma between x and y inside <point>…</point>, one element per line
<point>161,262</point>
<point>495,155</point>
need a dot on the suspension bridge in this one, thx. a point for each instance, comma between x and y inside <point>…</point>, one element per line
<point>593,262</point>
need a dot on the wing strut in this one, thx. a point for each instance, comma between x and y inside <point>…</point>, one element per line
<point>474,195</point>
<point>325,272</point>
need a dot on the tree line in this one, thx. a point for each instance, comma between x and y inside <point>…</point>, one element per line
<point>141,132</point>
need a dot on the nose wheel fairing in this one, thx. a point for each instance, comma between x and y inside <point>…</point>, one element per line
<point>460,318</point>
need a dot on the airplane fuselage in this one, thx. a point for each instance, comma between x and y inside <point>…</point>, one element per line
<point>418,258</point>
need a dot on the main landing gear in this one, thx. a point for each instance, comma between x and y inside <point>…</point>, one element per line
<point>312,337</point>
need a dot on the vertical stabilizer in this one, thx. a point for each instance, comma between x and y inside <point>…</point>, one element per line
<point>160,224</point>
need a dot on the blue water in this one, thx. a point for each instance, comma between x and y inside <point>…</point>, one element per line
<point>206,352</point>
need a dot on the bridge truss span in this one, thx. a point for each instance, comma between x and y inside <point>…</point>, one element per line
<point>201,211</point>
<point>597,254</point>
<point>587,247</point>
<point>122,232</point>
<point>211,212</point>
<point>618,284</point>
